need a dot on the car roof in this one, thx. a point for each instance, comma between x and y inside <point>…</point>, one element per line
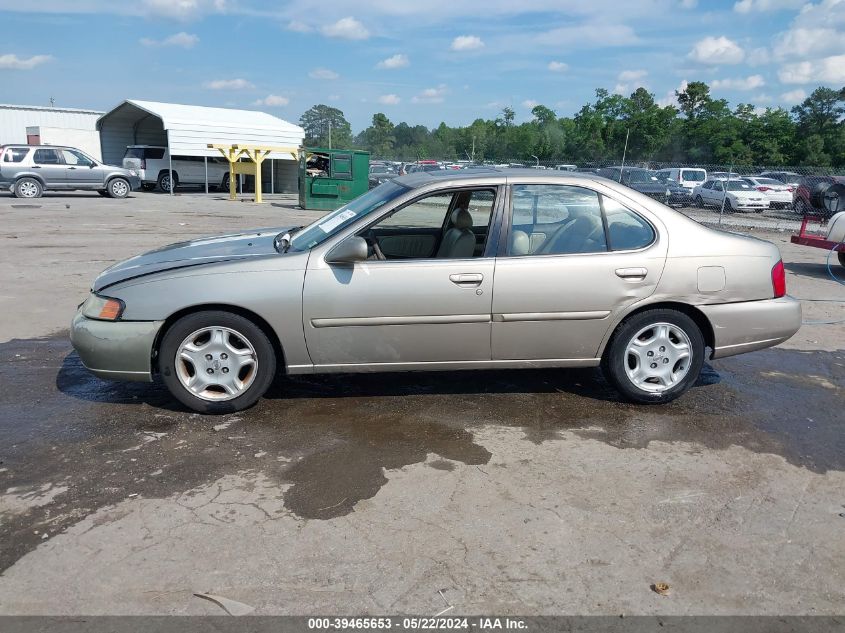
<point>421,178</point>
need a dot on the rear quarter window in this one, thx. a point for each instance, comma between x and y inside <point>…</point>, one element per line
<point>15,154</point>
<point>627,230</point>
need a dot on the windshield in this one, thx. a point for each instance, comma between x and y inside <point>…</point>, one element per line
<point>693,175</point>
<point>641,176</point>
<point>134,152</point>
<point>319,231</point>
<point>738,185</point>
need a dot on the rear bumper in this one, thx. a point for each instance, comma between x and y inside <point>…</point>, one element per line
<point>752,325</point>
<point>115,350</point>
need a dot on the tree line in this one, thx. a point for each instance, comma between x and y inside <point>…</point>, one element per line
<point>701,130</point>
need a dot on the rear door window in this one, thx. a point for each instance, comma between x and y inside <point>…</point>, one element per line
<point>46,157</point>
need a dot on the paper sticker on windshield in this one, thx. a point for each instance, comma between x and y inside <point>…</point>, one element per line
<point>336,221</point>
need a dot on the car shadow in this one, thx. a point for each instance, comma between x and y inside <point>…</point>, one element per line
<point>807,269</point>
<point>74,380</point>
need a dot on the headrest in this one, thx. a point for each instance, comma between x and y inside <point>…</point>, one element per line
<point>520,243</point>
<point>461,219</point>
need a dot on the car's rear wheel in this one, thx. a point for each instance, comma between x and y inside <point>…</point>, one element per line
<point>103,193</point>
<point>28,188</point>
<point>224,186</point>
<point>699,202</point>
<point>118,188</point>
<point>841,259</point>
<point>654,356</point>
<point>164,181</point>
<point>216,362</point>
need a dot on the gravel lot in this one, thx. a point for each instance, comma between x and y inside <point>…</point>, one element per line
<point>522,492</point>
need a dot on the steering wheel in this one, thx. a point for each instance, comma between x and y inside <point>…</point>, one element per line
<point>373,241</point>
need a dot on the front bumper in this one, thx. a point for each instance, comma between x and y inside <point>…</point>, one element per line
<point>751,325</point>
<point>115,350</point>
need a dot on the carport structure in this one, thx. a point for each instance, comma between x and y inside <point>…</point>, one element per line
<point>192,131</point>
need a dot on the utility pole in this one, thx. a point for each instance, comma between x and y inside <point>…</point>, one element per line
<point>624,152</point>
<point>330,133</point>
<point>52,102</point>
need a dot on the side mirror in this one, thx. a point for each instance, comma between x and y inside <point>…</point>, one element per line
<point>352,249</point>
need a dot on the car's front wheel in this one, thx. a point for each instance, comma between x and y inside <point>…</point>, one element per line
<point>699,202</point>
<point>216,362</point>
<point>28,188</point>
<point>118,188</point>
<point>654,356</point>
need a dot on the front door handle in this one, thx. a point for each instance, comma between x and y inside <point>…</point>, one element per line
<point>71,167</point>
<point>466,279</point>
<point>631,273</point>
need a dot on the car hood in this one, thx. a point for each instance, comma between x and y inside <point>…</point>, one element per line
<point>206,250</point>
<point>648,187</point>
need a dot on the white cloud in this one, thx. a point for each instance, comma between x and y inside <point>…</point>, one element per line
<point>749,83</point>
<point>794,96</point>
<point>13,62</point>
<point>558,67</point>
<point>670,99</point>
<point>758,56</point>
<point>530,104</point>
<point>272,101</point>
<point>716,50</point>
<point>347,28</point>
<point>334,97</point>
<point>591,34</point>
<point>185,40</point>
<point>632,75</point>
<point>390,99</point>
<point>829,70</point>
<point>183,9</point>
<point>803,43</point>
<point>298,27</point>
<point>396,61</point>
<point>749,6</point>
<point>229,84</point>
<point>467,43</point>
<point>431,95</point>
<point>323,73</point>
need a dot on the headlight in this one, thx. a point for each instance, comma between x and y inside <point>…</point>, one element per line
<point>103,308</point>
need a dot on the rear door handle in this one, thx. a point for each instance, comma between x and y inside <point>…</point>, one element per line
<point>71,167</point>
<point>631,273</point>
<point>466,279</point>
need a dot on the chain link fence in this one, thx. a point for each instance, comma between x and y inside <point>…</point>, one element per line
<point>777,191</point>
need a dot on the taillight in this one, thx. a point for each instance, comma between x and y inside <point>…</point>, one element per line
<point>143,163</point>
<point>761,188</point>
<point>790,189</point>
<point>779,279</point>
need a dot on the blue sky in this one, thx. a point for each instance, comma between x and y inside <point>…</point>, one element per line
<point>421,62</point>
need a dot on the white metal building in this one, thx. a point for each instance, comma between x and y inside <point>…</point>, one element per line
<point>187,130</point>
<point>50,126</point>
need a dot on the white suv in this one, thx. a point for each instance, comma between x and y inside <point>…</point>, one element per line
<point>152,163</point>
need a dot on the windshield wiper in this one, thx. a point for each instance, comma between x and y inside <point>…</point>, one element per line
<point>282,241</point>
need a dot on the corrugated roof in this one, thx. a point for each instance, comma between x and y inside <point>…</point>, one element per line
<point>12,106</point>
<point>191,128</point>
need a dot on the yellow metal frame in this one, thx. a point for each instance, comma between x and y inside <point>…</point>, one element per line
<point>256,154</point>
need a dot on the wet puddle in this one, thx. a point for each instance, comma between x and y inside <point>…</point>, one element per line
<point>329,439</point>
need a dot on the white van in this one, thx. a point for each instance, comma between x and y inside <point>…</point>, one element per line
<point>688,177</point>
<point>152,163</point>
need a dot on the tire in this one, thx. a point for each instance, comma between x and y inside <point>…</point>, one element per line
<point>800,207</point>
<point>103,193</point>
<point>28,188</point>
<point>699,202</point>
<point>728,206</point>
<point>148,187</point>
<point>163,183</point>
<point>118,188</point>
<point>224,185</point>
<point>237,333</point>
<point>841,259</point>
<point>617,360</point>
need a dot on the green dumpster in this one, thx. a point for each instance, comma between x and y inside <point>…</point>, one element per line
<point>329,178</point>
